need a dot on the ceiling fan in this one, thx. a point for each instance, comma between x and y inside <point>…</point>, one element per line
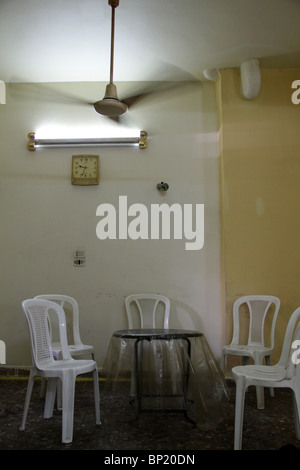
<point>110,105</point>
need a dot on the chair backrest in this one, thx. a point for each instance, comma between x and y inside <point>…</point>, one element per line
<point>65,302</point>
<point>37,312</point>
<point>259,307</point>
<point>145,310</point>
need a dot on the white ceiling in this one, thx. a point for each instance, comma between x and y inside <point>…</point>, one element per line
<point>69,40</point>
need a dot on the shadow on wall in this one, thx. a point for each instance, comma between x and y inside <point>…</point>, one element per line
<point>185,316</point>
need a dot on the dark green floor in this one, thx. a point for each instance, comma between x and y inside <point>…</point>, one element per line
<point>269,429</point>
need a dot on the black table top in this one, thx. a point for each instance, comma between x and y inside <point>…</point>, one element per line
<point>149,334</point>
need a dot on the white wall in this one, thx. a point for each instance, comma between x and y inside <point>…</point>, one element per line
<point>44,218</point>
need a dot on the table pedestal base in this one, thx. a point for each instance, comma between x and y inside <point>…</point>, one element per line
<point>138,361</point>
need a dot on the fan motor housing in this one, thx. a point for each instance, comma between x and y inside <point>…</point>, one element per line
<point>110,107</point>
<point>113,3</point>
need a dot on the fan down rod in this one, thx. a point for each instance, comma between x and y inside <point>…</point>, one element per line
<point>114,4</point>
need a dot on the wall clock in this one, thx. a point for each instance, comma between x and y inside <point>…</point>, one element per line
<point>85,170</point>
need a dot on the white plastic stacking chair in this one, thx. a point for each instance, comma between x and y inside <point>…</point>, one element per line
<point>44,365</point>
<point>2,352</point>
<point>146,311</point>
<point>285,374</point>
<point>259,308</point>
<point>77,348</point>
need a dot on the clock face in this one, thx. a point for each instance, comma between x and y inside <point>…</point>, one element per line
<point>85,169</point>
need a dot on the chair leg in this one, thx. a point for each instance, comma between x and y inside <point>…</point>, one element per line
<point>222,362</point>
<point>245,360</point>
<point>296,409</point>
<point>58,395</point>
<point>268,364</point>
<point>97,396</point>
<point>43,387</point>
<point>239,412</point>
<point>50,397</point>
<point>260,398</point>
<point>27,400</point>
<point>260,392</point>
<point>68,395</point>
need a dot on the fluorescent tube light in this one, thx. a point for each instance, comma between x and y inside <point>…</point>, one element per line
<point>34,143</point>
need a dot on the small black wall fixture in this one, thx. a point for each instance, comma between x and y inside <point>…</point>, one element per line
<point>163,186</point>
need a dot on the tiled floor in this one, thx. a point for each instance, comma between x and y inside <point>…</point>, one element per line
<point>272,428</point>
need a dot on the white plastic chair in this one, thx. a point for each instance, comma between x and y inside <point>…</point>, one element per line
<point>2,352</point>
<point>77,348</point>
<point>143,311</point>
<point>146,311</point>
<point>44,365</point>
<point>285,374</point>
<point>259,307</point>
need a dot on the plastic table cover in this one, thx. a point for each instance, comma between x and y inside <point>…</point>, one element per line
<point>167,371</point>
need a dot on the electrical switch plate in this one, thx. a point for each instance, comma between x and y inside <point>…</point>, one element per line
<point>79,259</point>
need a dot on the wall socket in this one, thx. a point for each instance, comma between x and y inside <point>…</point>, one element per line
<point>79,259</point>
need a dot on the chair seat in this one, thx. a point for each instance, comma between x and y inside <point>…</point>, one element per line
<point>78,366</point>
<point>75,350</point>
<point>245,348</point>
<point>262,375</point>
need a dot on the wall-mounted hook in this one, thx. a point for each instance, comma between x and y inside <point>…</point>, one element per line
<point>162,186</point>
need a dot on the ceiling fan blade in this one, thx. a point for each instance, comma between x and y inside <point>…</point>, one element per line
<point>155,88</point>
<point>132,100</point>
<point>116,119</point>
<point>47,94</point>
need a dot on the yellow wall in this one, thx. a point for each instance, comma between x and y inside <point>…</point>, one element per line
<point>260,193</point>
